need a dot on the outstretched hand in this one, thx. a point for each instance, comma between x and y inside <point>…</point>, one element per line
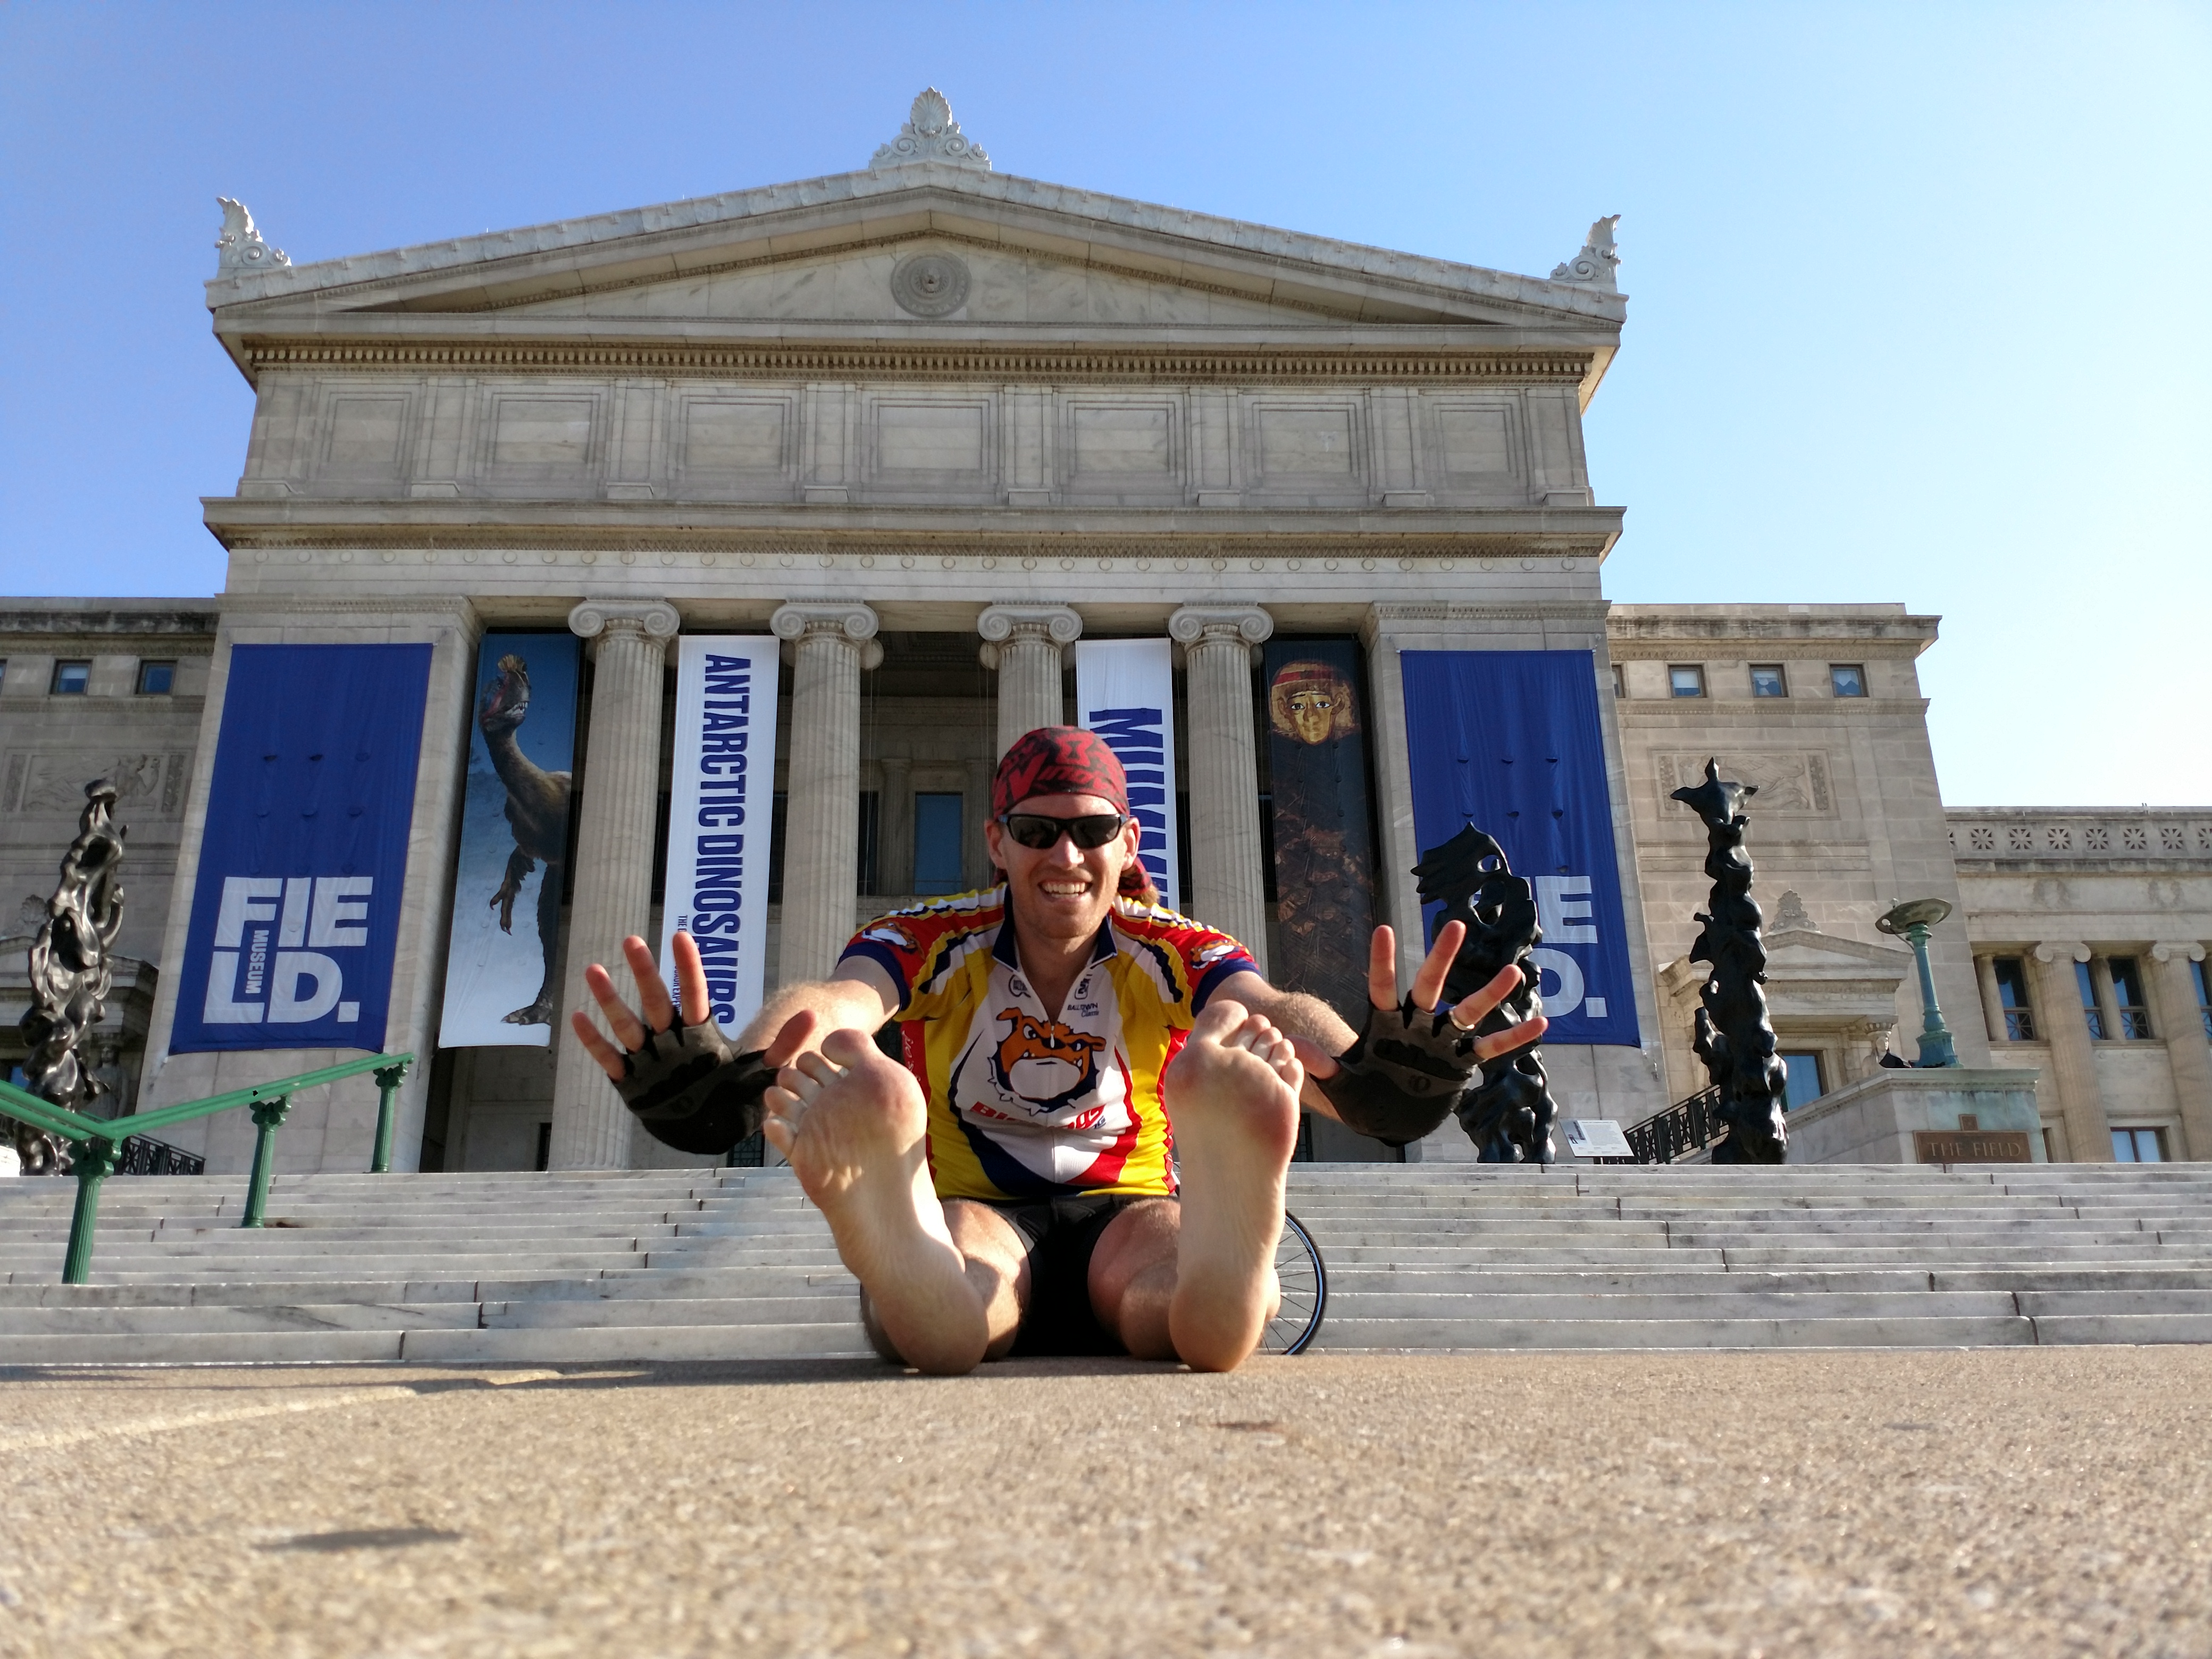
<point>656,1011</point>
<point>1428,991</point>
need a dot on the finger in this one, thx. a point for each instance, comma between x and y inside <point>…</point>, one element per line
<point>1319,1063</point>
<point>790,1042</point>
<point>652,1001</point>
<point>1471,1011</point>
<point>691,979</point>
<point>1429,978</point>
<point>1512,1037</point>
<point>1382,968</point>
<point>609,1056</point>
<point>622,1023</point>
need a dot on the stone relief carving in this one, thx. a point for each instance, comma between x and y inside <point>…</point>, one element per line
<point>930,284</point>
<point>1792,914</point>
<point>240,248</point>
<point>1790,782</point>
<point>56,782</point>
<point>931,135</point>
<point>1598,261</point>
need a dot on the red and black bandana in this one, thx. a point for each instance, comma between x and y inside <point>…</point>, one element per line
<point>1058,760</point>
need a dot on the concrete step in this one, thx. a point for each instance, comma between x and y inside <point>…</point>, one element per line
<point>1936,1332</point>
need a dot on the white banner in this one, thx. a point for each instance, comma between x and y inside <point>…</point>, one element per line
<point>1125,692</point>
<point>722,803</point>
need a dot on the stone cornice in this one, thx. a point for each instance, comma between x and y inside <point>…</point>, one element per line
<point>926,360</point>
<point>1389,616</point>
<point>238,607</point>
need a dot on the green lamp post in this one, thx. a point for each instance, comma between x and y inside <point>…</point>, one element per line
<point>1910,921</point>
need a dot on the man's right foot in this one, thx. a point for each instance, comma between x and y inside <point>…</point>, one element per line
<point>852,1123</point>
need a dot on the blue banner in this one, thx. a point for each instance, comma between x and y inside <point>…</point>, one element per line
<point>1508,741</point>
<point>295,915</point>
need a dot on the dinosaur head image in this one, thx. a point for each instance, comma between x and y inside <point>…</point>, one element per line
<point>506,699</point>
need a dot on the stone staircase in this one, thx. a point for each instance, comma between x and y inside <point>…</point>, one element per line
<point>732,1264</point>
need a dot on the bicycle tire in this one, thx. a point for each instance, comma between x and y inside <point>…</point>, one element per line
<point>1304,1277</point>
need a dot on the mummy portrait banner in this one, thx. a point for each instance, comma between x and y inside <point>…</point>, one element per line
<point>1509,741</point>
<point>1125,692</point>
<point>1323,831</point>
<point>721,810</point>
<point>303,864</point>
<point>511,864</point>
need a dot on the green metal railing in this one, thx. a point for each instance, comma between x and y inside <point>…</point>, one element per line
<point>99,1141</point>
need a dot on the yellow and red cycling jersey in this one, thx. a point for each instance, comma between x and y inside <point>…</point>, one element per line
<point>1024,1104</point>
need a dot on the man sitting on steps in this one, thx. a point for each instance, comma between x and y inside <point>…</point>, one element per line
<point>1085,1148</point>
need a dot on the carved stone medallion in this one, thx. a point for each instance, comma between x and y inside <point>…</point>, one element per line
<point>930,284</point>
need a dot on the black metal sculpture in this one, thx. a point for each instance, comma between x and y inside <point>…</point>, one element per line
<point>1734,1038</point>
<point>71,974</point>
<point>1510,1114</point>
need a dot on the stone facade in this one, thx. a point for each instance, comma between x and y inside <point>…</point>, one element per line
<point>930,424</point>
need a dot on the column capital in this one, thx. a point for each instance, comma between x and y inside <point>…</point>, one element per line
<point>1247,625</point>
<point>2168,950</point>
<point>656,619</point>
<point>2057,950</point>
<point>796,618</point>
<point>1059,622</point>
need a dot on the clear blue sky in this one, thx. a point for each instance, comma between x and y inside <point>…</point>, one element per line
<point>1917,306</point>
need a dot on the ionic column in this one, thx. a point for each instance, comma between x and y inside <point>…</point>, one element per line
<point>1228,887</point>
<point>2073,1063</point>
<point>615,800</point>
<point>1023,643</point>
<point>2188,1049</point>
<point>831,641</point>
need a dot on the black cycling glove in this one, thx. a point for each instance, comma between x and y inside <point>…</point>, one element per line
<point>1407,1071</point>
<point>693,1091</point>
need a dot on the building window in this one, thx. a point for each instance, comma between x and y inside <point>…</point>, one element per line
<point>543,1161</point>
<point>2203,996</point>
<point>871,819</point>
<point>937,844</point>
<point>71,678</point>
<point>156,679</point>
<point>2011,975</point>
<point>2091,1011</point>
<point>1767,680</point>
<point>1847,679</point>
<point>2138,1146</point>
<point>1620,681</point>
<point>2126,974</point>
<point>1686,680</point>
<point>1804,1085</point>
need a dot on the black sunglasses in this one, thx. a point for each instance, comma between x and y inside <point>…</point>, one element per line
<point>1041,834</point>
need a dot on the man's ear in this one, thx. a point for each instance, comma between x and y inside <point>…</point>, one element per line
<point>995,834</point>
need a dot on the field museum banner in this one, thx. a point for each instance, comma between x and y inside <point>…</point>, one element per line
<point>1508,741</point>
<point>303,862</point>
<point>1324,837</point>
<point>513,863</point>
<point>1125,692</point>
<point>721,810</point>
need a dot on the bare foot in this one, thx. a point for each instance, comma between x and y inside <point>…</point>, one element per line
<point>1232,1094</point>
<point>853,1121</point>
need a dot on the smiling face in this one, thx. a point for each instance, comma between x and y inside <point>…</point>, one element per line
<point>1063,893</point>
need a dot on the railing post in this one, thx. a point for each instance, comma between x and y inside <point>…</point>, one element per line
<point>268,1114</point>
<point>95,1161</point>
<point>388,1079</point>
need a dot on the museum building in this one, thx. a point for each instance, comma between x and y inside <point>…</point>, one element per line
<point>945,454</point>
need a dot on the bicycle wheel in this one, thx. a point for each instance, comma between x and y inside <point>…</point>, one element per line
<point>1304,1281</point>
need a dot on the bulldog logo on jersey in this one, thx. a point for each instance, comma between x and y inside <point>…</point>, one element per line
<point>1043,1063</point>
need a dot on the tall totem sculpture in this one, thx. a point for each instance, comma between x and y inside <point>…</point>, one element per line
<point>71,975</point>
<point>1734,1038</point>
<point>1510,1114</point>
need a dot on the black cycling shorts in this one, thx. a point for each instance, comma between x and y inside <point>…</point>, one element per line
<point>1062,1234</point>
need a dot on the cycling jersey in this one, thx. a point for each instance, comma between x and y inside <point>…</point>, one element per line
<point>1025,1104</point>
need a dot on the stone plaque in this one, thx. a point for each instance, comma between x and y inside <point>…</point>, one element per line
<point>1972,1146</point>
<point>1597,1137</point>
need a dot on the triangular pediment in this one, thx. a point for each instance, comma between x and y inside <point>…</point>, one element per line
<point>1803,953</point>
<point>828,250</point>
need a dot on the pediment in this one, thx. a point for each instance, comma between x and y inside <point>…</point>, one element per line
<point>1802,953</point>
<point>1034,255</point>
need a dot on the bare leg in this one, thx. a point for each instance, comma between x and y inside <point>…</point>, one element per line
<point>852,1122</point>
<point>998,1272</point>
<point>1233,1094</point>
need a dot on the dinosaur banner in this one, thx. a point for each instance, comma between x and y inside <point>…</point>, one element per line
<point>1324,841</point>
<point>1508,741</point>
<point>513,862</point>
<point>295,910</point>
<point>721,805</point>
<point>1125,692</point>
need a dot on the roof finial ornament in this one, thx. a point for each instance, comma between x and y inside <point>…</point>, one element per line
<point>931,135</point>
<point>1595,264</point>
<point>241,245</point>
